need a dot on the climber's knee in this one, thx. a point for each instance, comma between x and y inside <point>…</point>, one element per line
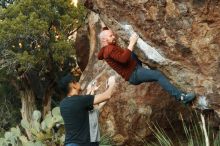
<point>158,74</point>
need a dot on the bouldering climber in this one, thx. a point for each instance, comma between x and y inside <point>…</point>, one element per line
<point>129,67</point>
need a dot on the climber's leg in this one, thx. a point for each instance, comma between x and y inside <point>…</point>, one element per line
<point>141,75</point>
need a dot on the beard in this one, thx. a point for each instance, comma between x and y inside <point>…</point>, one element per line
<point>113,42</point>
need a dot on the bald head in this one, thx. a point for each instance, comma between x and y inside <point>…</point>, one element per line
<point>107,37</point>
<point>104,33</point>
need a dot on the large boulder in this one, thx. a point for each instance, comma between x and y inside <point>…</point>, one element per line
<point>185,33</point>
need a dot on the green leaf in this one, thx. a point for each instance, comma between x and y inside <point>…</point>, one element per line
<point>23,139</point>
<point>25,124</point>
<point>29,143</point>
<point>8,135</point>
<point>49,121</point>
<point>39,143</point>
<point>43,125</point>
<point>16,131</point>
<point>3,142</point>
<point>36,125</point>
<point>56,111</point>
<point>36,115</point>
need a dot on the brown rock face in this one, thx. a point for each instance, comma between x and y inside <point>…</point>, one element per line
<point>82,48</point>
<point>184,32</point>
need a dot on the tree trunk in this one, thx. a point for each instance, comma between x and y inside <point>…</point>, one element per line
<point>28,106</point>
<point>47,99</point>
<point>47,102</point>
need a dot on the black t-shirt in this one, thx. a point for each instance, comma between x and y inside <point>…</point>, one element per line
<point>74,111</point>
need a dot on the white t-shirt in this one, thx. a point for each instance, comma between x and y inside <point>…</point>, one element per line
<point>94,125</point>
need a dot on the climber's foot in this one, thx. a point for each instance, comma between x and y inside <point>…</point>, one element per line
<point>187,98</point>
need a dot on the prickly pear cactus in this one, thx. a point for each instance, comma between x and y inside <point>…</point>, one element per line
<point>48,132</point>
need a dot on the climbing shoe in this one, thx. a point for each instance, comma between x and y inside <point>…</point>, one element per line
<point>187,98</point>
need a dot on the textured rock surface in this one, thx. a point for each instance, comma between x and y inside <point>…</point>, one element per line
<point>184,32</point>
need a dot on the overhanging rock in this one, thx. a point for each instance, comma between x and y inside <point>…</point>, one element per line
<point>186,34</point>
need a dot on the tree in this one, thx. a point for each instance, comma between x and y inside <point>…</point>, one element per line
<point>5,3</point>
<point>9,103</point>
<point>36,46</point>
